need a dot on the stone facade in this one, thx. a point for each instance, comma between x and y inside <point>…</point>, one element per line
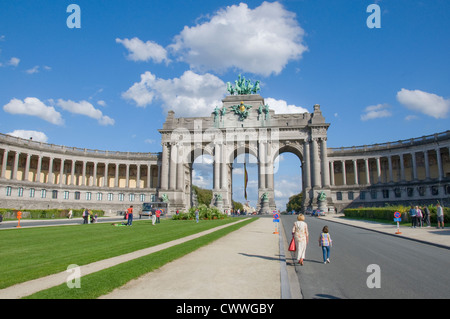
<point>39,175</point>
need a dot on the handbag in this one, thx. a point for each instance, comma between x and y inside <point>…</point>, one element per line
<point>292,244</point>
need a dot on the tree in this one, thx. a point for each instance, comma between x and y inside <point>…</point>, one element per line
<point>295,203</point>
<point>204,196</point>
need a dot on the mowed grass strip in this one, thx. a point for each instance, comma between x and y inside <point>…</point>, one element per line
<point>30,253</point>
<point>105,281</point>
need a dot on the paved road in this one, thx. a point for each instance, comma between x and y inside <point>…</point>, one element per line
<point>407,269</point>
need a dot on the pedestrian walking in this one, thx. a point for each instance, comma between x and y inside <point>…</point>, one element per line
<point>325,243</point>
<point>301,234</point>
<point>440,215</point>
<point>85,216</point>
<point>130,215</point>
<point>426,215</point>
<point>153,217</point>
<point>419,217</point>
<point>413,215</point>
<point>69,216</point>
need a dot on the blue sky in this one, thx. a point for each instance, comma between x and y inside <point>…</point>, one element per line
<point>108,85</point>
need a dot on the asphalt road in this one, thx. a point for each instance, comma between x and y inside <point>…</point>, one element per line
<point>369,265</point>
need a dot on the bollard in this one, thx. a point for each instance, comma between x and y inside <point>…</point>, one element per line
<point>19,216</point>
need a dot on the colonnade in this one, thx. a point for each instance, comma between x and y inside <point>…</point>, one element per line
<point>62,171</point>
<point>392,168</point>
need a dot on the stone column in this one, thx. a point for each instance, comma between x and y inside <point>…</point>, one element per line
<point>332,173</point>
<point>439,162</point>
<point>402,168</point>
<point>50,171</point>
<point>344,173</point>
<point>262,165</point>
<point>224,166</point>
<point>366,166</point>
<point>173,167</point>
<point>27,167</point>
<point>127,175</point>
<point>180,168</point>
<point>72,173</point>
<point>325,165</point>
<point>83,178</point>
<point>378,170</point>
<point>16,166</point>
<point>427,164</point>
<point>105,180</point>
<point>414,166</point>
<point>38,169</point>
<point>391,177</point>
<point>149,176</point>
<point>307,164</point>
<point>315,164</point>
<point>216,185</point>
<point>61,172</point>
<point>165,167</point>
<point>355,170</point>
<point>138,175</point>
<point>4,163</point>
<point>116,175</point>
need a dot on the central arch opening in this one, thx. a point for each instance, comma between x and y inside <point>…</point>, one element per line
<point>243,163</point>
<point>287,179</point>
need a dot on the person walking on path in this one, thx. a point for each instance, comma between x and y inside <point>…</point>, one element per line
<point>130,215</point>
<point>301,234</point>
<point>85,216</point>
<point>439,215</point>
<point>153,218</point>
<point>413,215</point>
<point>419,217</point>
<point>325,243</point>
<point>426,215</point>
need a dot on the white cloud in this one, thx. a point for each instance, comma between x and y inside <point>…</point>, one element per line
<point>35,135</point>
<point>85,108</point>
<point>376,111</point>
<point>144,51</point>
<point>14,61</point>
<point>101,103</point>
<point>141,92</point>
<point>261,40</point>
<point>281,107</point>
<point>189,95</point>
<point>34,107</point>
<point>33,70</point>
<point>423,102</point>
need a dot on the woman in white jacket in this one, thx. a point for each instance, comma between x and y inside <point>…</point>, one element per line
<point>300,232</point>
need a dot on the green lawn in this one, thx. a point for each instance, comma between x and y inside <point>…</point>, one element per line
<point>105,281</point>
<point>30,253</point>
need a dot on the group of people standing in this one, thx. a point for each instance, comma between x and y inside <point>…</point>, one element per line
<point>301,235</point>
<point>88,216</point>
<point>419,216</point>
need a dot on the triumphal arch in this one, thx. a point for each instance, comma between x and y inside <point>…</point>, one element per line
<point>243,124</point>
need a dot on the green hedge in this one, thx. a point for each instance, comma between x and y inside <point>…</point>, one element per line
<point>45,213</point>
<point>204,212</point>
<point>387,213</point>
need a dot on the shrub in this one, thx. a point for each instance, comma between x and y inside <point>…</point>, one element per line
<point>387,213</point>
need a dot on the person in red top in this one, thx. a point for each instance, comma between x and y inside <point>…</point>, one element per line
<point>158,214</point>
<point>130,215</point>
